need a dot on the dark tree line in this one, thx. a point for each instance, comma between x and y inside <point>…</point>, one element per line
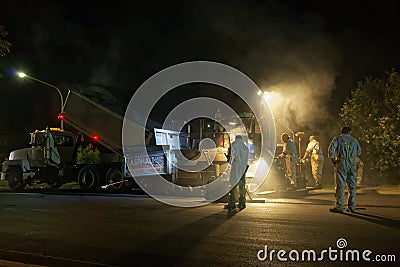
<point>374,109</point>
<point>4,44</point>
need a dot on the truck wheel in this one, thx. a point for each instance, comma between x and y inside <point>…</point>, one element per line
<point>88,178</point>
<point>114,180</point>
<point>15,179</point>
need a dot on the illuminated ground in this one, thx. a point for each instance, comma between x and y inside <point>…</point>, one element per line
<point>123,230</point>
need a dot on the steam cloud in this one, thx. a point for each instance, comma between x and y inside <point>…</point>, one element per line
<point>285,52</point>
<point>280,47</point>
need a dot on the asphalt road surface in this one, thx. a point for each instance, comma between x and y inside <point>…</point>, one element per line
<point>74,229</point>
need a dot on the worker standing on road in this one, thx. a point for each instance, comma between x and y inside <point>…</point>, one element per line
<point>238,158</point>
<point>289,152</point>
<point>317,160</point>
<point>343,151</point>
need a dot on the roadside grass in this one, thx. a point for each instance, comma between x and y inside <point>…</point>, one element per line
<point>3,184</point>
<point>71,185</point>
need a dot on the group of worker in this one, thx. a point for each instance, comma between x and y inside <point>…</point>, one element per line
<point>314,151</point>
<point>344,152</point>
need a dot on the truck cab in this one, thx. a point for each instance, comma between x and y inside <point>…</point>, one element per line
<point>50,150</point>
<point>64,144</point>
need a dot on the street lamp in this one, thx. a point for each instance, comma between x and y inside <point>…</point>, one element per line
<point>23,75</point>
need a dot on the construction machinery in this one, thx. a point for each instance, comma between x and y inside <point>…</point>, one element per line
<point>58,156</point>
<point>55,155</point>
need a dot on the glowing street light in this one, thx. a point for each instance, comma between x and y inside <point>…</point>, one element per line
<point>23,75</point>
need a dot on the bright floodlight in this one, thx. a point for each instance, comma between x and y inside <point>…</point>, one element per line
<point>267,95</point>
<point>259,92</point>
<point>21,74</point>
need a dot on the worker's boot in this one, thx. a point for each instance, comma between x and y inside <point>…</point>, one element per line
<point>351,209</point>
<point>230,206</point>
<point>336,210</point>
<point>318,186</point>
<point>242,202</point>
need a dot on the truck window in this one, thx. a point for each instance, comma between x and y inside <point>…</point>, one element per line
<point>61,140</point>
<point>37,139</point>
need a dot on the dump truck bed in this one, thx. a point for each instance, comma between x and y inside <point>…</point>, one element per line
<point>95,120</point>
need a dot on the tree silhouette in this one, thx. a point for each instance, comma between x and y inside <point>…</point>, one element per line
<point>374,110</point>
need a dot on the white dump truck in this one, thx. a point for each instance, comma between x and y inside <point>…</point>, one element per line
<point>52,157</point>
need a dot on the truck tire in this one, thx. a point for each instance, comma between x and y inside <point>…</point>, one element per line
<point>115,181</point>
<point>15,179</point>
<point>88,178</point>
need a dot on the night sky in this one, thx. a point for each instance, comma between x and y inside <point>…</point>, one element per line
<point>311,52</point>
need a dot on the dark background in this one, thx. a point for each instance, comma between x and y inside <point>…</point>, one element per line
<point>313,53</point>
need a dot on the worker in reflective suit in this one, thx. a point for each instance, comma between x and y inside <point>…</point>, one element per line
<point>343,151</point>
<point>238,158</point>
